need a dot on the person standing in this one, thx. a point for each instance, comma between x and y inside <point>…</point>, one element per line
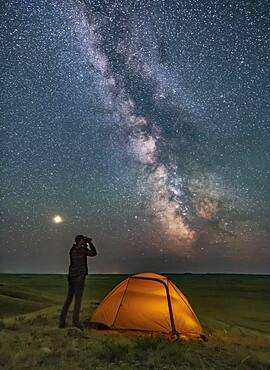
<point>78,270</point>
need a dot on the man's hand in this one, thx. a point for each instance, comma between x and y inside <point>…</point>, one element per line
<point>92,252</point>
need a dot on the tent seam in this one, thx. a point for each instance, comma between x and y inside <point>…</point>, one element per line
<point>120,303</point>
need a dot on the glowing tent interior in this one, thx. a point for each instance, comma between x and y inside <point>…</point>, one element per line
<point>148,302</point>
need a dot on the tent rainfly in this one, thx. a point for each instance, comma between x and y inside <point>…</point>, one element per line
<point>148,302</point>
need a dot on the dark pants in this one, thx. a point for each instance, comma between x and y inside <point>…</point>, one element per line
<point>75,288</point>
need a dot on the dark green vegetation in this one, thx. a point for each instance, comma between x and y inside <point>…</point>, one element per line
<point>234,310</point>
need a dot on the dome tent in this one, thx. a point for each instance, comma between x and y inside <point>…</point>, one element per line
<point>148,302</point>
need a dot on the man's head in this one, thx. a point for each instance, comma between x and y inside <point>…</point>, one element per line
<point>80,239</point>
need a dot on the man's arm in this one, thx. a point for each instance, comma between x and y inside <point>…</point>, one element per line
<point>92,252</point>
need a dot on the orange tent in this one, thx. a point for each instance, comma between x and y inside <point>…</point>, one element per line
<point>148,302</point>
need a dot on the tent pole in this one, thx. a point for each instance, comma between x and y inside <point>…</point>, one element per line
<point>174,331</point>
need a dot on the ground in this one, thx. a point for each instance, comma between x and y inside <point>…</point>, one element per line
<point>233,309</point>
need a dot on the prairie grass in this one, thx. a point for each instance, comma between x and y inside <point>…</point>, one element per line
<point>238,339</point>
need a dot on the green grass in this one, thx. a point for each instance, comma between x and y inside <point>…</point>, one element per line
<point>233,309</point>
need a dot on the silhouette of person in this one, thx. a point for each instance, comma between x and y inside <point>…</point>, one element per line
<point>78,270</point>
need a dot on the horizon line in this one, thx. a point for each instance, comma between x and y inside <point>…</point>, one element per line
<point>134,273</point>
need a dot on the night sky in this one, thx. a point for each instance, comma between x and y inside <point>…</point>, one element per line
<point>142,124</point>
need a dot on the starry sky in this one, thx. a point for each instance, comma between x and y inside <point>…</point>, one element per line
<point>142,124</point>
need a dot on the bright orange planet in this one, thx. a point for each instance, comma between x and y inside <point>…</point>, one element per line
<point>57,219</point>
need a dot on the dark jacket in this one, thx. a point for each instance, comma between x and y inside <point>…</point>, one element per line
<point>78,259</point>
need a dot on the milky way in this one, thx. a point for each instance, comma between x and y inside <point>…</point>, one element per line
<point>144,124</point>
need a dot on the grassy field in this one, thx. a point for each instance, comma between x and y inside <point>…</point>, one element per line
<point>233,309</point>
